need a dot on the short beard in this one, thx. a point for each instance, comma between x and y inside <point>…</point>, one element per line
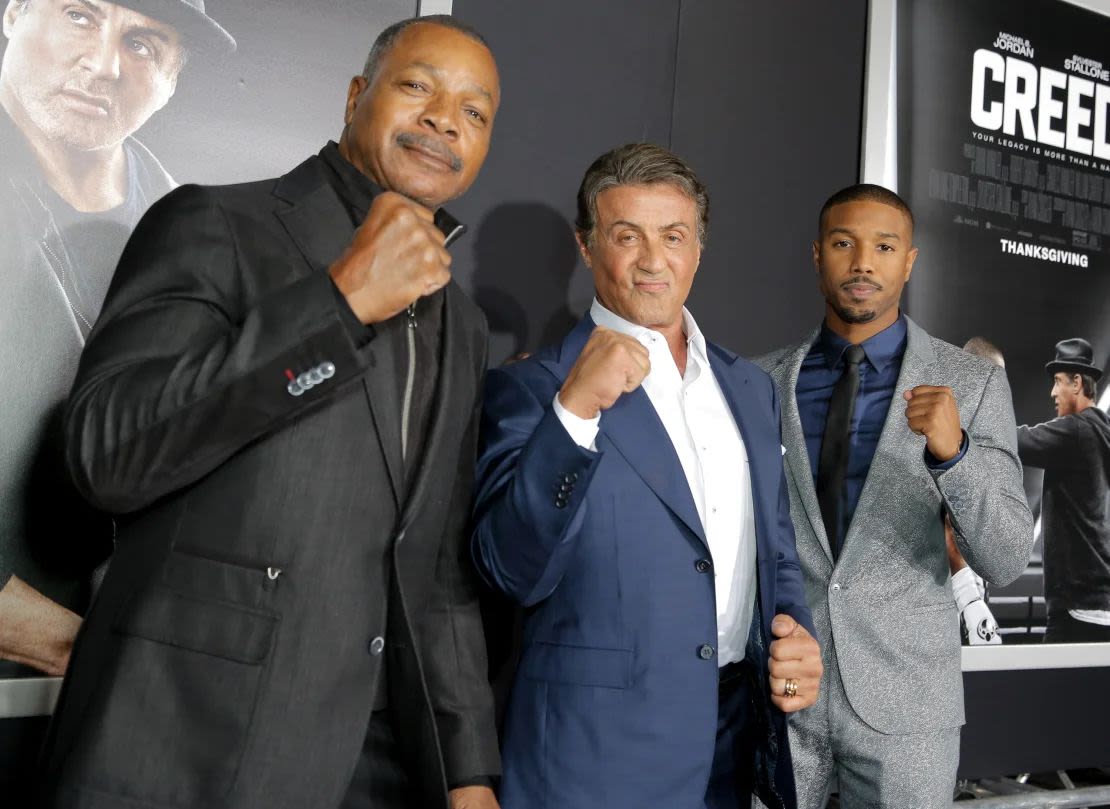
<point>854,316</point>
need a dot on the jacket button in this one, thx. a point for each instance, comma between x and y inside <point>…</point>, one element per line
<point>836,588</point>
<point>560,502</point>
<point>703,565</point>
<point>376,645</point>
<point>570,478</point>
<point>706,652</point>
<point>326,369</point>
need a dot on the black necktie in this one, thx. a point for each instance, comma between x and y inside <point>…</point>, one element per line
<point>833,464</point>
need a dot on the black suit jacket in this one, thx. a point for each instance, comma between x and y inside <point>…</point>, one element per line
<point>229,659</point>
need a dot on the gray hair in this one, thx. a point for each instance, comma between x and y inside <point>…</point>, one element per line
<point>388,37</point>
<point>638,164</point>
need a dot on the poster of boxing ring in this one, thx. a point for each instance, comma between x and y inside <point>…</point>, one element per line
<point>990,118</point>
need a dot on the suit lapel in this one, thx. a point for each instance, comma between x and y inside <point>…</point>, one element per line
<point>316,221</point>
<point>896,440</point>
<point>793,437</point>
<point>320,226</point>
<point>633,427</point>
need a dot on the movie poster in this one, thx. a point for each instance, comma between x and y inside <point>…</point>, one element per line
<point>1004,157</point>
<point>104,107</point>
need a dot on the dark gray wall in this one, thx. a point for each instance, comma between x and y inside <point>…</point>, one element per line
<point>764,99</point>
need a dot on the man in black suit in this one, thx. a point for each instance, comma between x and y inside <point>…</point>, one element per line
<point>279,401</point>
<point>1073,449</point>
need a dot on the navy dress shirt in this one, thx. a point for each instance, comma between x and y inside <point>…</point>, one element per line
<point>878,378</point>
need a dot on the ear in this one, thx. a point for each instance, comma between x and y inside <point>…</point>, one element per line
<point>583,250</point>
<point>10,14</point>
<point>817,255</point>
<point>354,92</point>
<point>911,257</point>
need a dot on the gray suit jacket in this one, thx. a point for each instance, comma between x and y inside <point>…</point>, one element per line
<point>884,612</point>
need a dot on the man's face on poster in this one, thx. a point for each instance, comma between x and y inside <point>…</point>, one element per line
<point>1065,393</point>
<point>86,72</point>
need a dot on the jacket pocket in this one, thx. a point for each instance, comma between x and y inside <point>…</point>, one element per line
<point>208,627</point>
<point>208,579</point>
<point>577,665</point>
<point>171,717</point>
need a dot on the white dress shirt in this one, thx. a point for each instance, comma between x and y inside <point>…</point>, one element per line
<point>713,457</point>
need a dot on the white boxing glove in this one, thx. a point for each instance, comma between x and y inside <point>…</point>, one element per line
<point>980,628</point>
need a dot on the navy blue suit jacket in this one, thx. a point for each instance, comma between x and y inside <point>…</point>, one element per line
<point>614,703</point>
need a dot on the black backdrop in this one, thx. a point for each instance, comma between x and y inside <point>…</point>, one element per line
<point>764,99</point>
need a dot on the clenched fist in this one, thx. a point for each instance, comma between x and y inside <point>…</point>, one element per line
<point>396,256</point>
<point>795,656</point>
<point>932,412</point>
<point>611,364</point>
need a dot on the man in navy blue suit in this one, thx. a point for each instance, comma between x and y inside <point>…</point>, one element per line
<point>631,497</point>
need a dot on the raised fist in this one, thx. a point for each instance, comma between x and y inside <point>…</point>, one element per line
<point>611,364</point>
<point>396,256</point>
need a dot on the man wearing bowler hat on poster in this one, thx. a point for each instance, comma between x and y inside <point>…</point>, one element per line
<point>78,79</point>
<point>1074,451</point>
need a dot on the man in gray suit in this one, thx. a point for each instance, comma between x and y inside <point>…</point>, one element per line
<point>886,429</point>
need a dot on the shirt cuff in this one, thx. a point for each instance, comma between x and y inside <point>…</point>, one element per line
<point>582,431</point>
<point>938,465</point>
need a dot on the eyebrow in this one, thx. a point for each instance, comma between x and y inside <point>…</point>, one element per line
<point>92,7</point>
<point>437,72</point>
<point>151,32</point>
<point>882,234</point>
<point>638,226</point>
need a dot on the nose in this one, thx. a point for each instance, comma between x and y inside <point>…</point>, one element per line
<point>101,56</point>
<point>441,116</point>
<point>861,261</point>
<point>651,258</point>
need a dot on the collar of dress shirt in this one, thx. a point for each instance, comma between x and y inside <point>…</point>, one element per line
<point>356,189</point>
<point>880,349</point>
<point>694,338</point>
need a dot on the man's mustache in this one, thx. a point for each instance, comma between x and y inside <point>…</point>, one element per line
<point>432,145</point>
<point>857,281</point>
